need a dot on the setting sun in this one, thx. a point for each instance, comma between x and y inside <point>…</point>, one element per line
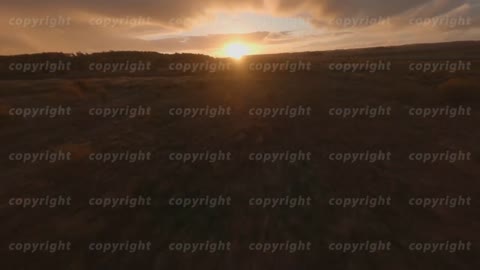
<point>237,50</point>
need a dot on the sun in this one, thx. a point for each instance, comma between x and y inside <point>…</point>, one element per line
<point>236,50</point>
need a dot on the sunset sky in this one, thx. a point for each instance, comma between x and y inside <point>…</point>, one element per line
<point>209,26</point>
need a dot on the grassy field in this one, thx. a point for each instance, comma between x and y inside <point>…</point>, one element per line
<point>240,178</point>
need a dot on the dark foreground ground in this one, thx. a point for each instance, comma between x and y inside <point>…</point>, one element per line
<point>241,179</point>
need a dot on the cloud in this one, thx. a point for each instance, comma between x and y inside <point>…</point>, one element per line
<point>192,43</point>
<point>125,24</point>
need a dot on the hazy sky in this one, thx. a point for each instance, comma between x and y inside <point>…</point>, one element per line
<point>206,26</point>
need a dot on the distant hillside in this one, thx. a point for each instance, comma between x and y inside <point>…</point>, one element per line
<point>108,64</point>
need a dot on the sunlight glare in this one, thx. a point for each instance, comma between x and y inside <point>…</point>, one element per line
<point>236,50</point>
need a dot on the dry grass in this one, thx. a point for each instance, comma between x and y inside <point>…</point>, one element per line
<point>240,134</point>
<point>4,110</point>
<point>78,151</point>
<point>459,90</point>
